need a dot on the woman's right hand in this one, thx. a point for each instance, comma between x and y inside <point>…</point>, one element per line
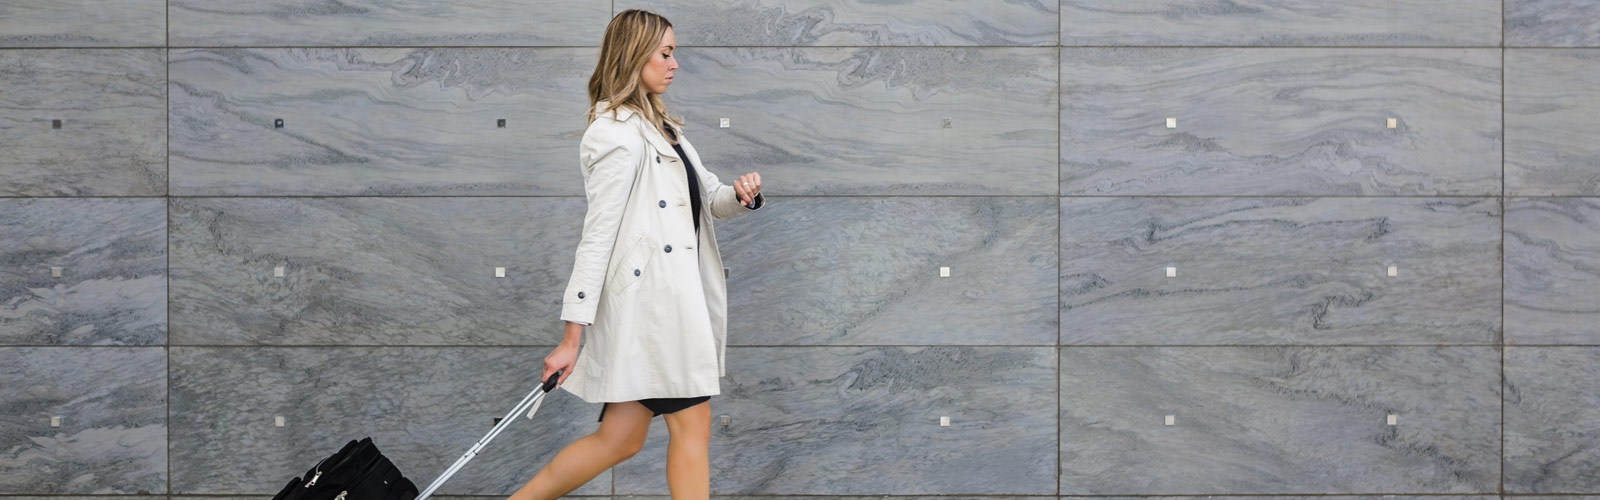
<point>562,358</point>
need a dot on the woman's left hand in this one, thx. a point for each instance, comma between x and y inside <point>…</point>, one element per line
<point>748,186</point>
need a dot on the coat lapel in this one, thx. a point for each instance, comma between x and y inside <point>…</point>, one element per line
<point>651,133</point>
<point>657,140</point>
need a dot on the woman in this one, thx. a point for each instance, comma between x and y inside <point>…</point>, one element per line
<point>647,279</point>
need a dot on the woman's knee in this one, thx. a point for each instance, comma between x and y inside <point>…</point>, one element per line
<point>625,445</point>
<point>632,445</point>
<point>627,431</point>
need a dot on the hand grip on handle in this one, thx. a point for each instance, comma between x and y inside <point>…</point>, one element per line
<point>551,384</point>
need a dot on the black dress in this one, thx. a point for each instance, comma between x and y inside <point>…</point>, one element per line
<point>659,406</point>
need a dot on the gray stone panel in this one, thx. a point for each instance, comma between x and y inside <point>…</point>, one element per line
<point>1552,112</point>
<point>1551,423</point>
<point>1281,23</point>
<point>378,122</point>
<point>112,437</point>
<point>1552,23</point>
<point>865,271</point>
<point>1279,420</point>
<point>111,104</point>
<point>271,23</point>
<point>1552,271</point>
<point>856,22</point>
<point>82,23</point>
<point>1280,121</point>
<point>379,271</point>
<point>871,120</point>
<point>112,255</point>
<point>1280,271</point>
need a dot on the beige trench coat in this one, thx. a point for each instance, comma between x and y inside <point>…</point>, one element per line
<point>654,295</point>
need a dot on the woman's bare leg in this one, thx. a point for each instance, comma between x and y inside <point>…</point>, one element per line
<point>621,434</point>
<point>688,465</point>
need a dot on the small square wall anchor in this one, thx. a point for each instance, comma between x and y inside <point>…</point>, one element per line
<point>723,123</point>
<point>1394,419</point>
<point>500,123</point>
<point>1392,122</point>
<point>55,124</point>
<point>55,421</point>
<point>944,421</point>
<point>277,272</point>
<point>55,272</point>
<point>499,272</point>
<point>278,123</point>
<point>1172,271</point>
<point>944,272</point>
<point>1393,271</point>
<point>725,420</point>
<point>1172,123</point>
<point>277,421</point>
<point>1171,420</point>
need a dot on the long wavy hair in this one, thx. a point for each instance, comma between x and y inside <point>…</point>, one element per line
<point>630,41</point>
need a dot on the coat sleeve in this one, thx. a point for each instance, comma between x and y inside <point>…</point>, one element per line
<point>724,202</point>
<point>609,156</point>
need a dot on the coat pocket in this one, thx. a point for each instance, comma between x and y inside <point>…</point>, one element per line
<point>633,265</point>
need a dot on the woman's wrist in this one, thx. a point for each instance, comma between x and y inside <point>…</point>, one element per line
<point>573,334</point>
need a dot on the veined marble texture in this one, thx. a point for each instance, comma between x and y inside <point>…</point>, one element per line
<point>93,497</point>
<point>113,259</point>
<point>1281,22</point>
<point>112,107</point>
<point>856,421</point>
<point>1280,121</point>
<point>1279,420</point>
<point>262,23</point>
<point>419,489</point>
<point>1551,423</point>
<point>1280,271</point>
<point>422,484</point>
<point>877,497</point>
<point>1552,111</point>
<point>857,22</point>
<point>113,408</point>
<point>870,120</point>
<point>423,408</point>
<point>81,23</point>
<point>380,271</point>
<point>390,122</point>
<point>862,271</point>
<point>1553,271</point>
<point>1552,23</point>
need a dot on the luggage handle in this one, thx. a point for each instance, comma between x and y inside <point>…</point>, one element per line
<point>532,402</point>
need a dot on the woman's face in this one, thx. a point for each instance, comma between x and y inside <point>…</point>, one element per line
<point>658,72</point>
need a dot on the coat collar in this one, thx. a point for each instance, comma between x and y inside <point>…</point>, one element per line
<point>651,133</point>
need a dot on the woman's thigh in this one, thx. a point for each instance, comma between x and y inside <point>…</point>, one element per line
<point>625,423</point>
<point>692,423</point>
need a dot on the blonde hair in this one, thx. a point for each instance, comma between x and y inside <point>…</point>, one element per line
<point>630,41</point>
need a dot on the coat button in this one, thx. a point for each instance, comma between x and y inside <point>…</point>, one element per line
<point>635,272</point>
<point>580,295</point>
<point>663,204</point>
<point>669,248</point>
<point>658,158</point>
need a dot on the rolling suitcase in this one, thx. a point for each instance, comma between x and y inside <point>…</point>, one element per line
<point>358,471</point>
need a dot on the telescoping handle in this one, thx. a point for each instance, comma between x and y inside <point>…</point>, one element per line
<point>530,403</point>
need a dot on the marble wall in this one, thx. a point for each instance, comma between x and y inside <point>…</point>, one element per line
<point>1278,248</point>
